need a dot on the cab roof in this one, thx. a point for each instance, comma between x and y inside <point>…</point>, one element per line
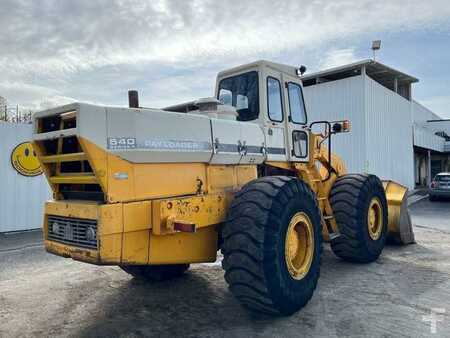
<point>291,70</point>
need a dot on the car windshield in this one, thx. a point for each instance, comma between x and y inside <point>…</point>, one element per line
<point>241,92</point>
<point>443,178</point>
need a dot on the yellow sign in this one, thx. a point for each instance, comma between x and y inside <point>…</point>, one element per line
<point>24,160</point>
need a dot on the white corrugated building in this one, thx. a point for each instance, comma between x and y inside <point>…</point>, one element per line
<point>391,133</point>
<point>22,198</point>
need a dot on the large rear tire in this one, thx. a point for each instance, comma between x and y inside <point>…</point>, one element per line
<point>155,272</point>
<point>272,245</point>
<point>360,209</point>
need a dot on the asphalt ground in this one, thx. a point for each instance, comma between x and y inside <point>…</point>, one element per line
<point>400,295</point>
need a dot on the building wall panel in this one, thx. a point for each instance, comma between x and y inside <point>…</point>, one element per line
<point>389,131</point>
<point>340,100</point>
<point>21,198</point>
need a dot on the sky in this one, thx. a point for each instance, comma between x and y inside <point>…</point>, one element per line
<point>55,52</point>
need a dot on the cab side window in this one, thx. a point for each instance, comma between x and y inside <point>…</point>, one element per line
<point>274,105</point>
<point>296,103</point>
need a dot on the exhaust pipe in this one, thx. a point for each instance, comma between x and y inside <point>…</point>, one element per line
<point>133,99</point>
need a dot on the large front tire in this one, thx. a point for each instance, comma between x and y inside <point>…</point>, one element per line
<point>272,245</point>
<point>360,209</point>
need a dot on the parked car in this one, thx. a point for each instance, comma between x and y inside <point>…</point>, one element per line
<point>440,186</point>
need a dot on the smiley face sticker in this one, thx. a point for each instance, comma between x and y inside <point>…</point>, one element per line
<point>24,160</point>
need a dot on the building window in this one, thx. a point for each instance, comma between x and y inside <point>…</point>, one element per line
<point>274,105</point>
<point>296,103</point>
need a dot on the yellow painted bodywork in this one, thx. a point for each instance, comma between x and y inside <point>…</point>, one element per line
<point>143,203</point>
<point>315,174</point>
<point>144,180</point>
<point>203,211</point>
<point>130,233</point>
<point>399,223</point>
<point>73,179</point>
<point>136,224</point>
<point>64,158</point>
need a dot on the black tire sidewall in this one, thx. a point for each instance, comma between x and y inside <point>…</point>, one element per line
<point>281,285</point>
<point>351,196</point>
<point>375,246</point>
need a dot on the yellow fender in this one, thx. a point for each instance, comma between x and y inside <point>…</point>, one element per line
<point>400,229</point>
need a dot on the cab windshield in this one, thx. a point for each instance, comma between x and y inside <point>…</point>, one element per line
<point>241,92</point>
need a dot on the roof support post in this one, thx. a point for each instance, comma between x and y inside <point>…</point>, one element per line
<point>429,168</point>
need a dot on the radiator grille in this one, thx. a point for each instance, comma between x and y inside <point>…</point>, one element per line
<point>73,231</point>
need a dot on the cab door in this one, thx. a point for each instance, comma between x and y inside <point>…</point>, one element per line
<point>276,116</point>
<point>296,121</point>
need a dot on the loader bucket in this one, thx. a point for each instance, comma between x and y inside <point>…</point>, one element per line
<point>399,221</point>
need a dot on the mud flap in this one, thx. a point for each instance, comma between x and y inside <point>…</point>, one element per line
<point>400,229</point>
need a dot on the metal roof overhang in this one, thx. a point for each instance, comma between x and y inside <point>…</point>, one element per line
<point>376,70</point>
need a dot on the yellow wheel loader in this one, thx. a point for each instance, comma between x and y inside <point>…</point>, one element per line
<point>244,172</point>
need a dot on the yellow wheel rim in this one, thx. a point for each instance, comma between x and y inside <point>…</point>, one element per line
<point>299,246</point>
<point>375,219</point>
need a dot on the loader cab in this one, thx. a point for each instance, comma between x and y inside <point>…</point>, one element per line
<point>270,95</point>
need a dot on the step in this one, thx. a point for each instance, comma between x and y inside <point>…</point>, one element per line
<point>73,179</point>
<point>73,157</point>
